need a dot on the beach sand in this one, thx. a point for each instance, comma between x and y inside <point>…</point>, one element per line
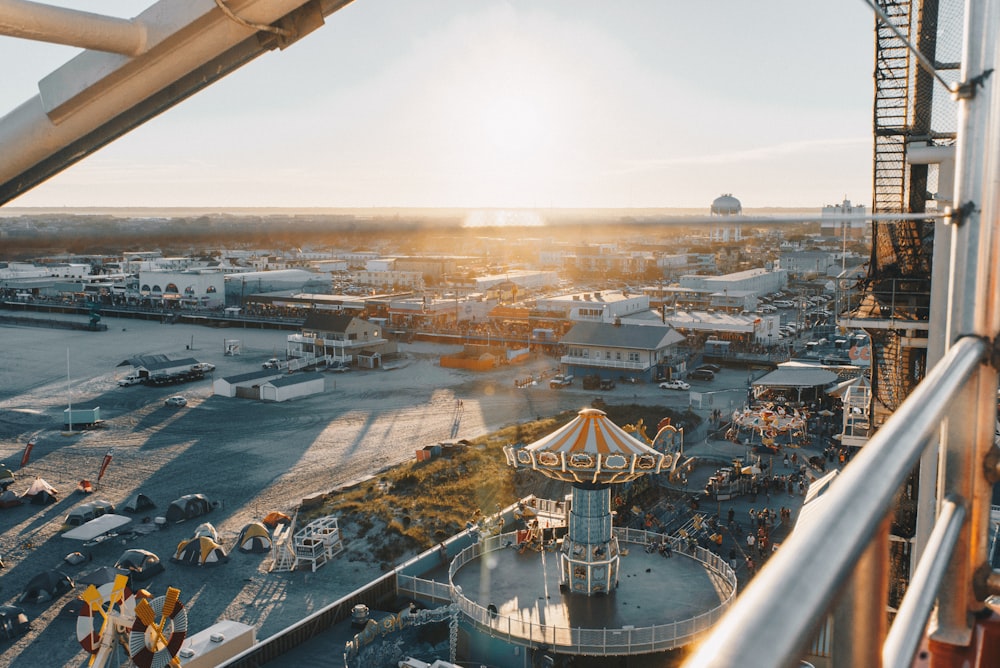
<point>252,457</point>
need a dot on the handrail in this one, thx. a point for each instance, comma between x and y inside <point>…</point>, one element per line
<point>908,626</point>
<point>773,621</point>
<point>591,641</point>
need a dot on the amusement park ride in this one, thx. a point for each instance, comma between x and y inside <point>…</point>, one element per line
<point>150,632</point>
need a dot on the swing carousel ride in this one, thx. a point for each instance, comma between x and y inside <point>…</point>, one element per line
<point>770,422</point>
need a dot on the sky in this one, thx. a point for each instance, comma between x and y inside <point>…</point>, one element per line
<point>505,104</point>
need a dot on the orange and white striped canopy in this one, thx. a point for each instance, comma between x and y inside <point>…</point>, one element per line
<point>590,449</point>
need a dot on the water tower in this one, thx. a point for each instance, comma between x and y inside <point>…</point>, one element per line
<point>726,207</point>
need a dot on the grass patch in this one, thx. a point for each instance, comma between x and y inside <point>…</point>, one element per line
<point>419,504</point>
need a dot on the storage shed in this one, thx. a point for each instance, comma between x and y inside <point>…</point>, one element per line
<point>246,385</point>
<point>292,386</point>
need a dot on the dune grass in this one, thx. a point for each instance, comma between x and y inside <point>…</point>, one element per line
<point>418,504</point>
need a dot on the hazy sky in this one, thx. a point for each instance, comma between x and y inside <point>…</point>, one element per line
<point>565,103</point>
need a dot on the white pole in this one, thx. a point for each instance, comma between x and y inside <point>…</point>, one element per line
<point>69,392</point>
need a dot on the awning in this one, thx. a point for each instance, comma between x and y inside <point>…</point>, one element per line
<point>796,377</point>
<point>97,527</point>
<point>839,389</point>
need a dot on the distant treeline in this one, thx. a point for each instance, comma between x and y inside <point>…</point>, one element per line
<point>46,235</point>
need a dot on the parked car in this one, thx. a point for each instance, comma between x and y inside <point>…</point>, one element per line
<point>131,379</point>
<point>176,400</point>
<point>701,374</point>
<point>271,363</point>
<point>714,368</point>
<point>559,381</point>
<point>675,385</point>
<point>607,384</point>
<point>204,367</point>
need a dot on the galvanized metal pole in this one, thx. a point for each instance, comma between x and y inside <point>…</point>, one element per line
<point>859,621</point>
<point>772,622</point>
<point>974,310</point>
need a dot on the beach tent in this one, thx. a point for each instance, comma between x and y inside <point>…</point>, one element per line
<point>75,558</point>
<point>41,493</point>
<point>13,622</point>
<point>274,518</point>
<point>206,529</point>
<point>45,587</point>
<point>85,512</point>
<point>140,564</point>
<point>8,499</point>
<point>138,503</point>
<point>254,538</point>
<point>200,551</point>
<point>188,506</point>
<point>6,477</point>
<point>102,575</point>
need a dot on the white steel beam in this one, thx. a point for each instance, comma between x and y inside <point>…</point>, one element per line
<point>98,96</point>
<point>59,25</point>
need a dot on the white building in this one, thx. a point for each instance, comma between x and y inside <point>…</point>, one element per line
<point>202,288</point>
<point>835,226</point>
<point>761,328</point>
<point>390,280</point>
<point>292,386</point>
<point>523,278</point>
<point>761,281</point>
<point>246,385</point>
<point>602,306</point>
<point>809,263</point>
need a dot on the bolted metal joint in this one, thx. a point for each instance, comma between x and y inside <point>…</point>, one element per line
<point>953,216</point>
<point>967,89</point>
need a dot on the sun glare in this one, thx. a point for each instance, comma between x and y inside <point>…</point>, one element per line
<point>513,125</point>
<point>503,218</point>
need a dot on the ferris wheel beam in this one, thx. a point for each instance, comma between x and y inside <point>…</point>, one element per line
<point>99,96</point>
<point>60,25</point>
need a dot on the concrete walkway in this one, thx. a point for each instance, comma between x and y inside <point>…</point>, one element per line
<point>712,453</point>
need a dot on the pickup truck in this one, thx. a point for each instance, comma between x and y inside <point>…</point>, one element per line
<point>131,379</point>
<point>560,380</point>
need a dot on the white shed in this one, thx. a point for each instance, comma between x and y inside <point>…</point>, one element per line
<point>245,384</point>
<point>292,386</point>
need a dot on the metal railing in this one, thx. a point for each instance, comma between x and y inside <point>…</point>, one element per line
<point>589,641</point>
<point>836,560</point>
<point>774,620</point>
<point>603,363</point>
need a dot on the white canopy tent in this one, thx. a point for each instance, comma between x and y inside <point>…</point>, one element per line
<point>97,527</point>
